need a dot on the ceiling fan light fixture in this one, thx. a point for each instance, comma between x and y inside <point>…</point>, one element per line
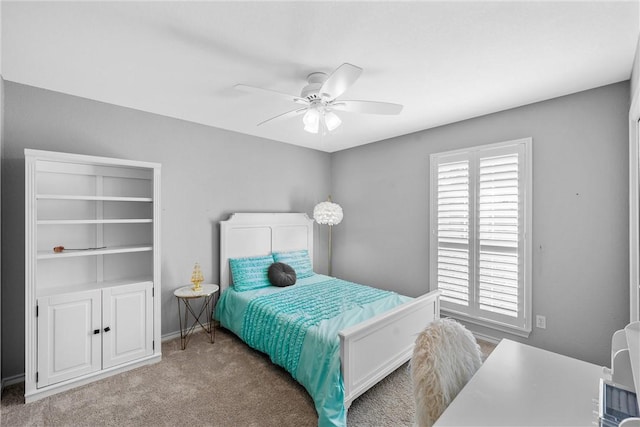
<point>331,120</point>
<point>311,120</point>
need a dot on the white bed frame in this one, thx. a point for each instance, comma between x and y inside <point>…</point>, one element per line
<point>369,351</point>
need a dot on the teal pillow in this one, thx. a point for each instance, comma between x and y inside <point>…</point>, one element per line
<point>250,273</point>
<point>299,260</point>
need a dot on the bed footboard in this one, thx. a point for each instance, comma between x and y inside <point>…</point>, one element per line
<point>371,350</point>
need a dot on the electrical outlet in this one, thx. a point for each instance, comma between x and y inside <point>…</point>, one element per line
<point>541,322</point>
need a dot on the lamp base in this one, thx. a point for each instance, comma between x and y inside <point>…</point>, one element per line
<point>330,227</point>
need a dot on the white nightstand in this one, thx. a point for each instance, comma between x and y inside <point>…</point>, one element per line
<point>186,294</point>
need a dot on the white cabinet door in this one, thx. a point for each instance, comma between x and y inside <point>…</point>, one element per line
<point>68,344</point>
<point>127,323</point>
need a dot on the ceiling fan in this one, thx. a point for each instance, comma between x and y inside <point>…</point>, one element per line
<point>318,100</point>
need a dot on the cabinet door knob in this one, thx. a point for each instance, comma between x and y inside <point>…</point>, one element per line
<point>96,331</point>
<point>107,329</point>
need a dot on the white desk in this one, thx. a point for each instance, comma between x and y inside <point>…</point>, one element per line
<point>520,385</point>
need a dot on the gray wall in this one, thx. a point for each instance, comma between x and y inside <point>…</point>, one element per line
<point>207,174</point>
<point>580,213</point>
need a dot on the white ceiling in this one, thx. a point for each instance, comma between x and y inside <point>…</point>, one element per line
<point>445,61</point>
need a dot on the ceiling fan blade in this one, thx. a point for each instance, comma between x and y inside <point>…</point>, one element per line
<point>286,115</point>
<point>367,107</point>
<point>339,81</point>
<point>253,89</point>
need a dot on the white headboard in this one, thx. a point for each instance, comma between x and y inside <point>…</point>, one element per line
<point>255,234</point>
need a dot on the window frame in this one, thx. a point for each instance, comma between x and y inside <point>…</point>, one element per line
<point>470,153</point>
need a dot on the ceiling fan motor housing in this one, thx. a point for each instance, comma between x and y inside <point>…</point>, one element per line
<point>315,82</point>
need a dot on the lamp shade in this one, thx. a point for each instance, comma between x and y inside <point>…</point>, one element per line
<point>331,120</point>
<point>328,213</point>
<point>311,120</point>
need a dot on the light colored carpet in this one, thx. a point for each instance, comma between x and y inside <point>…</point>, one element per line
<point>220,384</point>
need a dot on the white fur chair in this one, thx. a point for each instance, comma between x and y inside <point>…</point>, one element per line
<point>445,357</point>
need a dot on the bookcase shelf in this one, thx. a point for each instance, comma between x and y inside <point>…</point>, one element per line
<point>91,310</point>
<point>71,253</point>
<point>93,221</point>
<point>93,286</point>
<point>93,198</point>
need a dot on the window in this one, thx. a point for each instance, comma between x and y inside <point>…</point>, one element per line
<point>480,234</point>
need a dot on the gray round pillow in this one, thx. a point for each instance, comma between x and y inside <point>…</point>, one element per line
<point>281,274</point>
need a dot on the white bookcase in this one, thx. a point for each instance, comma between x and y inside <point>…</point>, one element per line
<point>93,309</point>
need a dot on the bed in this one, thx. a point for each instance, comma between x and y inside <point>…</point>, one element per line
<point>359,336</point>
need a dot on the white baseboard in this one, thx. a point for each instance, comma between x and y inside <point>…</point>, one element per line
<point>16,379</point>
<point>170,336</point>
<point>487,338</point>
<point>176,334</point>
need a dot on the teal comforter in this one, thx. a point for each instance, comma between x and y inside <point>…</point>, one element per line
<point>298,328</point>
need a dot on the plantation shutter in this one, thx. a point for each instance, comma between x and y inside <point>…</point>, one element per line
<point>499,225</point>
<point>480,214</point>
<point>453,231</point>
